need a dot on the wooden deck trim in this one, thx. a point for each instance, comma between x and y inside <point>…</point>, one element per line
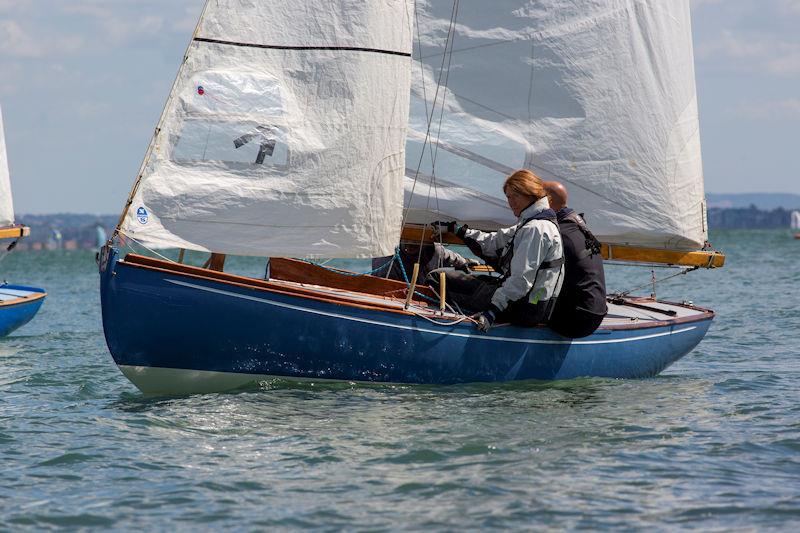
<point>138,261</point>
<point>14,232</point>
<point>23,299</point>
<point>148,263</point>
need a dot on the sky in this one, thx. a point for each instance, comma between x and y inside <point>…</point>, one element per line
<point>83,82</point>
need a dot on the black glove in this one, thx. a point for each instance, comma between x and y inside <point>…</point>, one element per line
<point>468,266</point>
<point>450,227</point>
<point>484,320</point>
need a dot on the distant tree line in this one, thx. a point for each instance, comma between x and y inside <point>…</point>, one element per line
<point>65,231</point>
<point>748,218</point>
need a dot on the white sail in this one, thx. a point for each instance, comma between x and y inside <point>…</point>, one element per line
<point>599,95</point>
<point>796,220</point>
<point>6,205</point>
<point>284,133</point>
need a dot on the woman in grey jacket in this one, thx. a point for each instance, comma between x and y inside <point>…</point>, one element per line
<point>528,257</point>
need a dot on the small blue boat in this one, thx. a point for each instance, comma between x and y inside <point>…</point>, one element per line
<point>18,305</point>
<point>173,328</point>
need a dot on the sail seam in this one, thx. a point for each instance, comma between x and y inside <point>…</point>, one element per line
<point>286,47</point>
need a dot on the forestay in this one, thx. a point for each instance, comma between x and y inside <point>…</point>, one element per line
<point>284,133</point>
<point>6,205</point>
<point>599,95</point>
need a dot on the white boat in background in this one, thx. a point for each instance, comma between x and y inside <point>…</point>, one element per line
<point>288,133</point>
<point>795,224</point>
<point>18,303</point>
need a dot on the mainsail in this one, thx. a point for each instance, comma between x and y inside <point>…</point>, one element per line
<point>599,95</point>
<point>284,133</point>
<point>796,220</point>
<point>6,205</point>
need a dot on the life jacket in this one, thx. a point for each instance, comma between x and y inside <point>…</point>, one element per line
<point>537,310</point>
<point>583,291</point>
<point>507,253</point>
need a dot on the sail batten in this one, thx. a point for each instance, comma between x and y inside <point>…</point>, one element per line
<point>284,133</point>
<point>599,95</point>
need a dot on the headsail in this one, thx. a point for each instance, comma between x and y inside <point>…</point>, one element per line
<point>6,204</point>
<point>284,133</point>
<point>796,220</point>
<point>599,95</point>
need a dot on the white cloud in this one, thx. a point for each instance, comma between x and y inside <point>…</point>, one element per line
<point>17,42</point>
<point>749,36</point>
<point>787,109</point>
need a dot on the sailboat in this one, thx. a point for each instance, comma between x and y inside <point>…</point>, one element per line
<point>796,224</point>
<point>18,303</point>
<point>312,129</point>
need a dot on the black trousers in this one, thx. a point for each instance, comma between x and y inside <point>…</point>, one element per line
<point>575,323</point>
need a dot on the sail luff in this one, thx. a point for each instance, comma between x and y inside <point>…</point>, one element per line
<point>6,203</point>
<point>161,118</point>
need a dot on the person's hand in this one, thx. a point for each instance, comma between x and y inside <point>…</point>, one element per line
<point>468,266</point>
<point>451,226</point>
<point>484,320</point>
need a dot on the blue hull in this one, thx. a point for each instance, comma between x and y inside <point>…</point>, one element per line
<point>155,319</point>
<point>16,313</point>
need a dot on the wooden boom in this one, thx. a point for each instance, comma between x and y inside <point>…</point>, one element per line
<point>615,252</point>
<point>14,232</point>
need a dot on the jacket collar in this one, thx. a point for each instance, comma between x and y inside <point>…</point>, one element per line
<point>534,209</point>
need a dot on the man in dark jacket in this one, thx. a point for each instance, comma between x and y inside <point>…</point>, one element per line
<point>581,306</point>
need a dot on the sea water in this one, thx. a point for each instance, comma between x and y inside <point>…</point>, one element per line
<point>712,443</point>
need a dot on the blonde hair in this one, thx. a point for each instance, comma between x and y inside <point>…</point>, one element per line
<point>525,182</point>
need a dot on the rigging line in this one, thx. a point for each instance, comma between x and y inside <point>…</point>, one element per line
<point>654,281</point>
<point>451,32</point>
<point>435,152</point>
<point>429,119</point>
<point>134,239</point>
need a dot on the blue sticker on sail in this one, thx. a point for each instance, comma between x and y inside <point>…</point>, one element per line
<point>141,215</point>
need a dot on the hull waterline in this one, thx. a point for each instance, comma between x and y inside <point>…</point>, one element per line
<point>173,332</point>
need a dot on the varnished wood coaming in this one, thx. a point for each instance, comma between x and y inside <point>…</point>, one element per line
<point>302,272</point>
<point>287,268</point>
<point>150,263</point>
